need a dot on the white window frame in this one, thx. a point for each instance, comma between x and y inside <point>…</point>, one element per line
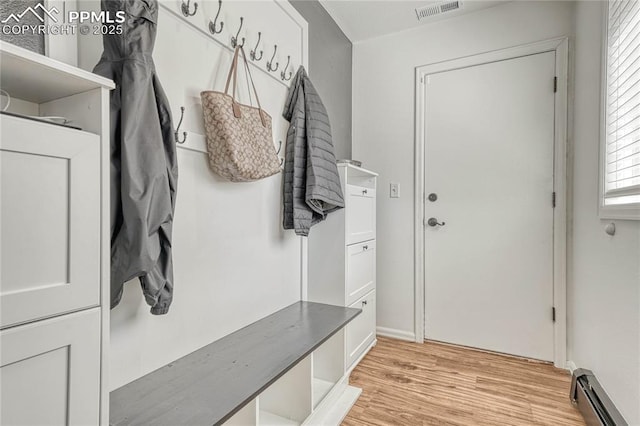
<point>624,211</point>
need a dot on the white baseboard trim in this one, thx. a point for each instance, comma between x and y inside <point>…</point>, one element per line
<point>335,406</point>
<point>396,334</point>
<point>571,366</point>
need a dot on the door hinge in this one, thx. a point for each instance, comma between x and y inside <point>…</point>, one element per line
<point>553,200</point>
<point>555,84</point>
<point>553,314</point>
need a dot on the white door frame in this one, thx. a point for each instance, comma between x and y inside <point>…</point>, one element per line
<point>561,48</point>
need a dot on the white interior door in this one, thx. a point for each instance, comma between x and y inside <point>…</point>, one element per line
<point>489,158</point>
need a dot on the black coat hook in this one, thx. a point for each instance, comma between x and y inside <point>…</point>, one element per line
<point>253,55</point>
<point>234,40</point>
<point>176,135</point>
<point>269,64</point>
<point>212,25</point>
<point>283,73</point>
<point>186,8</point>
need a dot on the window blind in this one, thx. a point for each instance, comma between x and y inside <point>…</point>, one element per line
<point>622,170</point>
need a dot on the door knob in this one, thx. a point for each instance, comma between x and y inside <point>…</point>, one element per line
<point>434,222</point>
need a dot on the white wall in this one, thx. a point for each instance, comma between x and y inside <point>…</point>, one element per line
<point>604,272</point>
<point>604,284</point>
<point>383,121</point>
<point>234,264</point>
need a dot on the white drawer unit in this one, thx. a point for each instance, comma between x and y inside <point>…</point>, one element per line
<point>361,270</point>
<point>50,220</point>
<point>361,332</point>
<point>360,204</point>
<point>342,259</point>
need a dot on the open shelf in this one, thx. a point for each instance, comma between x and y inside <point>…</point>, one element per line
<point>320,389</point>
<point>288,398</point>
<point>267,418</point>
<point>358,176</point>
<point>65,92</point>
<point>328,367</point>
<point>246,416</point>
<point>23,71</point>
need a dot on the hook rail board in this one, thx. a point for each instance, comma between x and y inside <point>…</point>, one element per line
<point>240,36</point>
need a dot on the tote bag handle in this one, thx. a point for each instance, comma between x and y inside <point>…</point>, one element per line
<point>233,72</point>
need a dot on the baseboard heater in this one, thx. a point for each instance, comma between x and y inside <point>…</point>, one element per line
<point>593,402</point>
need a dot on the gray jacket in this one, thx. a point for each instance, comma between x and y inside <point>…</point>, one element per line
<point>144,165</point>
<point>311,180</point>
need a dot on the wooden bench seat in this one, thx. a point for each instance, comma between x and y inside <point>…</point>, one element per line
<point>210,385</point>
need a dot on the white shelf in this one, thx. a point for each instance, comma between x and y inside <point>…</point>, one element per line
<point>36,78</point>
<point>320,389</point>
<point>269,419</point>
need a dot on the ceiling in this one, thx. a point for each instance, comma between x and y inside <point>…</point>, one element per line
<point>364,19</point>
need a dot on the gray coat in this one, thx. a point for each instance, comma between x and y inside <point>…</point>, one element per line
<point>144,167</point>
<point>311,180</point>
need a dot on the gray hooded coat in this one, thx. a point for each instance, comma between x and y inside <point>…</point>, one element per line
<point>311,180</point>
<point>144,168</point>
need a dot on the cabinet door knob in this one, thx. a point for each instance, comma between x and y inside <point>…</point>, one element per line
<point>364,303</point>
<point>364,191</point>
<point>365,247</point>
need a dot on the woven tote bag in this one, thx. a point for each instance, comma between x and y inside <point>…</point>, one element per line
<point>239,137</point>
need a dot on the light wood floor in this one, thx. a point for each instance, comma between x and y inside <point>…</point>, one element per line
<point>407,383</point>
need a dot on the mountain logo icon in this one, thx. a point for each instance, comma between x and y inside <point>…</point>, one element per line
<point>34,11</point>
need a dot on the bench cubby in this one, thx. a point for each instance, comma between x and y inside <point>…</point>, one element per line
<point>285,369</point>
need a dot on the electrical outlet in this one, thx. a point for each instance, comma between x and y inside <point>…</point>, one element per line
<point>394,190</point>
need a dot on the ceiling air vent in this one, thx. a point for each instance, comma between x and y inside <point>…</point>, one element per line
<point>437,9</point>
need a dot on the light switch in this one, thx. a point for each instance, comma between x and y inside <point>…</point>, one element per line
<point>394,190</point>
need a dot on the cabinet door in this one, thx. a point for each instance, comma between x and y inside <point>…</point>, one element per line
<point>361,270</point>
<point>50,371</point>
<point>362,330</point>
<point>49,220</point>
<point>361,214</point>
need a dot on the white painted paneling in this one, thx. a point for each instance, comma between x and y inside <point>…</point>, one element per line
<point>604,284</point>
<point>233,262</point>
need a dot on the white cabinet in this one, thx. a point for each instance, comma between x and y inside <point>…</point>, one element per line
<point>361,213</point>
<point>360,270</point>
<point>361,331</point>
<point>50,210</point>
<point>54,251</point>
<point>50,371</point>
<point>342,259</point>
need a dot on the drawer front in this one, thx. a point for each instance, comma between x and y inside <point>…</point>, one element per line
<point>360,213</point>
<point>51,371</point>
<point>50,220</point>
<point>362,330</point>
<point>361,270</point>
